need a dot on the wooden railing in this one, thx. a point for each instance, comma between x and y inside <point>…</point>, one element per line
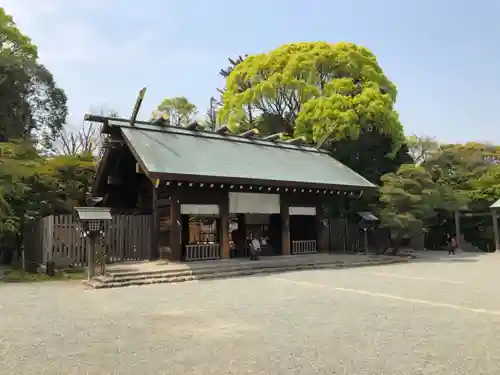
<point>202,252</point>
<point>304,247</point>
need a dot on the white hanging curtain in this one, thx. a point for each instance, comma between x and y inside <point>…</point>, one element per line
<point>254,203</point>
<point>304,211</point>
<point>199,209</point>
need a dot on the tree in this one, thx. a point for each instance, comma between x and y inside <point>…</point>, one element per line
<point>31,104</point>
<point>486,189</point>
<point>74,141</point>
<point>322,90</point>
<point>241,86</point>
<point>178,111</point>
<point>422,148</point>
<point>408,198</point>
<point>455,168</point>
<point>210,120</point>
<point>86,140</point>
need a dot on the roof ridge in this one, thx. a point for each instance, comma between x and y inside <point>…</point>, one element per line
<point>152,127</point>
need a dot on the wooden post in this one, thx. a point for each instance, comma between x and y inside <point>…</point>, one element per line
<point>495,230</point>
<point>90,258</point>
<point>365,230</point>
<point>176,230</point>
<point>322,230</point>
<point>458,233</point>
<point>155,228</point>
<point>285,227</point>
<point>224,228</point>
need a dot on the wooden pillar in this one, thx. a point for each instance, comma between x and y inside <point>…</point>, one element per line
<point>224,227</point>
<point>154,252</point>
<point>458,233</point>
<point>322,230</point>
<point>495,230</point>
<point>285,227</point>
<point>176,230</point>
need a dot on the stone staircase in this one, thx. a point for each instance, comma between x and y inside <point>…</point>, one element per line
<point>221,269</point>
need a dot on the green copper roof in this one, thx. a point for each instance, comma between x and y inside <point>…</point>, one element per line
<point>178,153</point>
<point>496,204</point>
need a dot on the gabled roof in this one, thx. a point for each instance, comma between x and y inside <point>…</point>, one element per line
<point>496,205</point>
<point>180,154</point>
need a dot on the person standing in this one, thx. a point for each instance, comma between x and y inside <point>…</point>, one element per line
<point>453,246</point>
<point>254,248</point>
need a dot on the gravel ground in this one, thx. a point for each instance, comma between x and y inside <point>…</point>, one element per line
<point>429,317</point>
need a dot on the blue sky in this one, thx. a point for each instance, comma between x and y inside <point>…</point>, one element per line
<point>443,55</point>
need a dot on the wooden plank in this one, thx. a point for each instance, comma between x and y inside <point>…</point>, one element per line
<point>74,251</point>
<point>121,238</point>
<point>50,238</point>
<point>146,230</point>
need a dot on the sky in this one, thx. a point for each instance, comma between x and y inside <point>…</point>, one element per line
<point>443,55</point>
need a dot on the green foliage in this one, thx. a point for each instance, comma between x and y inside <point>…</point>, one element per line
<point>30,101</point>
<point>408,197</point>
<point>33,186</point>
<point>486,189</point>
<point>32,113</point>
<point>178,111</point>
<point>456,169</point>
<point>323,90</point>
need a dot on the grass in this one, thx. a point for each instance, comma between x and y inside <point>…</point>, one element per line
<point>17,275</point>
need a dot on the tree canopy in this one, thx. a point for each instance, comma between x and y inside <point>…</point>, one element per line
<point>408,197</point>
<point>322,90</point>
<point>31,104</point>
<point>33,114</point>
<point>178,111</point>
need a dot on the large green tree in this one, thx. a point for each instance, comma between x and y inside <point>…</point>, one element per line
<point>32,113</point>
<point>177,111</point>
<point>31,104</point>
<point>321,90</point>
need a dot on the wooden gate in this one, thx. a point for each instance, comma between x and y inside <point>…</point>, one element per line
<point>60,239</point>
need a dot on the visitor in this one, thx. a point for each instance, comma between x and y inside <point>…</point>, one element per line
<point>453,246</point>
<point>254,248</point>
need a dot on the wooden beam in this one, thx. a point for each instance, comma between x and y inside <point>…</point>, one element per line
<point>322,229</point>
<point>160,121</point>
<point>176,230</point>
<point>296,141</point>
<point>154,252</point>
<point>192,126</point>
<point>222,130</point>
<point>95,118</point>
<point>249,133</point>
<point>285,227</point>
<point>475,214</point>
<point>224,230</point>
<point>138,168</point>
<point>137,106</point>
<point>272,137</point>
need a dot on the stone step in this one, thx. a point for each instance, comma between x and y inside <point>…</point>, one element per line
<point>212,267</point>
<point>136,275</point>
<point>123,276</point>
<point>157,277</point>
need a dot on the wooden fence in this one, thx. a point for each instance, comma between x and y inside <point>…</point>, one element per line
<point>304,247</point>
<point>202,252</point>
<point>59,239</point>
